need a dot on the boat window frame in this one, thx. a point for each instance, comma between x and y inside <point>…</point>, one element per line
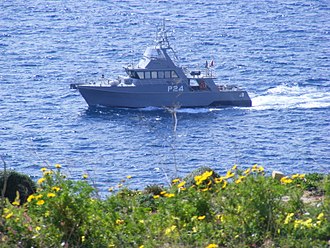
<point>161,74</point>
<point>140,74</point>
<point>174,74</point>
<point>133,74</point>
<point>154,74</point>
<point>147,75</point>
<point>167,74</point>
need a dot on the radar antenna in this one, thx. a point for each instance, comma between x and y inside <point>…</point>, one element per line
<point>162,39</point>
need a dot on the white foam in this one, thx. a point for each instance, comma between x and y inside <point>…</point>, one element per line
<point>284,96</point>
<point>194,110</point>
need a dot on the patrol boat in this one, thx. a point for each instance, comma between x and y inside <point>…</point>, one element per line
<point>157,81</point>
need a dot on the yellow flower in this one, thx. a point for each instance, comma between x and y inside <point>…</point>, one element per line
<point>207,174</point>
<point>168,195</point>
<point>40,202</point>
<point>288,218</point>
<point>49,172</point>
<point>38,196</point>
<point>82,238</point>
<point>247,171</point>
<point>234,167</point>
<point>30,198</point>
<point>181,184</point>
<point>286,180</point>
<point>169,230</point>
<point>129,177</point>
<point>297,223</point>
<point>320,216</point>
<point>239,180</point>
<point>120,222</point>
<point>110,189</point>
<point>176,180</point>
<point>141,246</point>
<point>58,166</point>
<point>218,180</point>
<point>163,192</point>
<point>41,180</point>
<point>212,246</point>
<point>229,174</point>
<point>43,169</point>
<point>9,215</point>
<point>15,203</point>
<point>261,169</point>
<point>201,178</point>
<point>201,217</point>
<point>55,188</point>
<point>295,176</point>
<point>198,180</point>
<point>38,228</point>
<point>255,167</point>
<point>308,223</point>
<point>85,176</point>
<point>302,176</point>
<point>47,213</point>
<point>51,195</point>
<point>156,196</point>
<point>224,184</point>
<point>302,224</point>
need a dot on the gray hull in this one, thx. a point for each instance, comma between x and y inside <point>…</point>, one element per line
<point>101,96</point>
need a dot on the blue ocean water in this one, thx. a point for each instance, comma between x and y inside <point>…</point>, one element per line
<point>279,51</point>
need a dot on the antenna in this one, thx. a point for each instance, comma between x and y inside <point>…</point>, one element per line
<point>161,37</point>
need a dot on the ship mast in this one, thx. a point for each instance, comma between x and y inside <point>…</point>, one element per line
<point>161,37</point>
<point>162,40</point>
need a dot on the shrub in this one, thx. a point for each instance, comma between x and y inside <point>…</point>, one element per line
<point>16,183</point>
<point>238,209</point>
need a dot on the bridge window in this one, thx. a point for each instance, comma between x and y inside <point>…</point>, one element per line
<point>140,74</point>
<point>161,74</point>
<point>154,74</point>
<point>147,75</point>
<point>167,74</point>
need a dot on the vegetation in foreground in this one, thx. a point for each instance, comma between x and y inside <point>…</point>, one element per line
<point>239,209</point>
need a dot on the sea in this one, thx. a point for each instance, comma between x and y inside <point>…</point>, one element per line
<point>278,50</point>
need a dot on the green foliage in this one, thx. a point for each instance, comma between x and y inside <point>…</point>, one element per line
<point>239,209</point>
<point>313,181</point>
<point>16,183</point>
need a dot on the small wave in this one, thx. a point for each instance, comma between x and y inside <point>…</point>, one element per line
<point>151,109</point>
<point>194,110</point>
<point>294,96</point>
<point>183,110</point>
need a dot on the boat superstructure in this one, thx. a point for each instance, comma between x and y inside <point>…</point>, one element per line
<point>156,80</point>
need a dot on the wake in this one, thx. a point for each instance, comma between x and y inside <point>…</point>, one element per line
<point>292,96</point>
